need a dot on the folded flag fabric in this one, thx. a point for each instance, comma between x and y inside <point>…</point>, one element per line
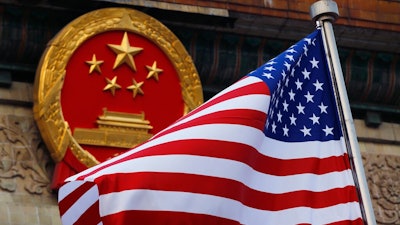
<point>269,149</point>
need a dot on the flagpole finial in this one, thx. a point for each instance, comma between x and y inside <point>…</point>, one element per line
<point>324,10</point>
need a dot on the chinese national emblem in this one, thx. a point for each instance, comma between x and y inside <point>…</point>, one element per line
<point>107,82</point>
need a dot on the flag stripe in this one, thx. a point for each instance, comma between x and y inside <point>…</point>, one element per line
<point>217,186</point>
<point>91,215</point>
<point>234,170</point>
<point>298,150</point>
<point>228,208</point>
<point>357,221</point>
<point>159,217</point>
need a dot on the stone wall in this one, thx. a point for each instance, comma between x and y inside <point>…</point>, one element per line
<point>26,168</point>
<point>380,149</point>
<point>25,165</point>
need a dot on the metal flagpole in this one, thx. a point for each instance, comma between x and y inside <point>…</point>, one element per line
<point>324,12</point>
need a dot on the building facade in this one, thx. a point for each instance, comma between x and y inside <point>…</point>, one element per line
<point>241,34</point>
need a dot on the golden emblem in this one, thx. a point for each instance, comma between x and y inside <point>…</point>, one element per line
<point>105,66</point>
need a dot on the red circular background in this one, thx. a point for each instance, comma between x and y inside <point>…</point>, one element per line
<point>83,98</point>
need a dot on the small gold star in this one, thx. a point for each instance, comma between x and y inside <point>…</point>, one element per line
<point>135,87</point>
<point>153,71</point>
<point>125,53</point>
<point>94,64</point>
<point>112,85</point>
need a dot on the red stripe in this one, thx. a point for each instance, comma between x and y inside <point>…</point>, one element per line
<point>175,218</point>
<point>91,216</point>
<point>164,218</point>
<point>225,188</point>
<point>358,221</point>
<point>69,200</point>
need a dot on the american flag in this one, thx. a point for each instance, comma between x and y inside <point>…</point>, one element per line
<point>267,150</point>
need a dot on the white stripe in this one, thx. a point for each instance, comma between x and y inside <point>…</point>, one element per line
<point>297,150</point>
<point>256,102</point>
<point>222,207</point>
<point>253,137</point>
<point>68,188</point>
<point>231,169</point>
<point>80,206</point>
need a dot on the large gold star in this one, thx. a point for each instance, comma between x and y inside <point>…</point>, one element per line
<point>125,53</point>
<point>136,88</point>
<point>112,85</point>
<point>94,64</point>
<point>153,71</point>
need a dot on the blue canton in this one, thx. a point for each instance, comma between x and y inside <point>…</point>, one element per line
<point>302,106</point>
